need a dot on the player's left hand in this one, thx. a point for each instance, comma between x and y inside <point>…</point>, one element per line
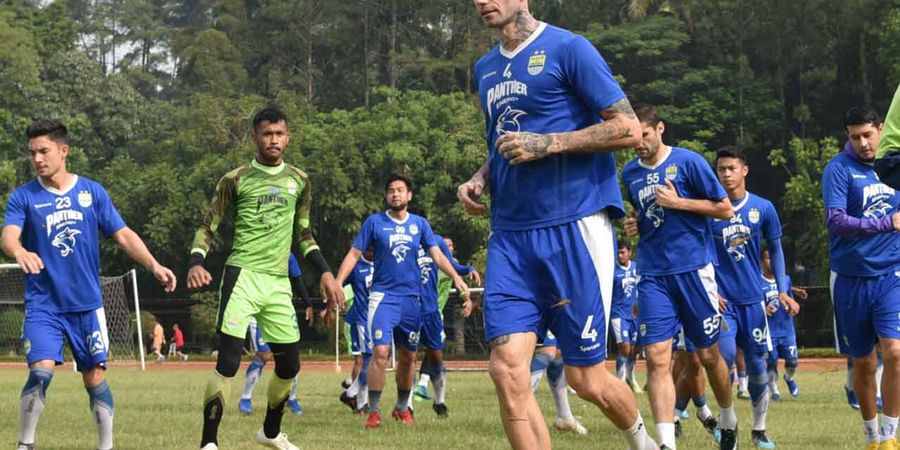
<point>800,293</point>
<point>476,277</point>
<point>771,308</point>
<point>165,277</point>
<point>309,316</point>
<point>467,308</point>
<point>525,147</point>
<point>723,304</point>
<point>667,196</point>
<point>791,306</point>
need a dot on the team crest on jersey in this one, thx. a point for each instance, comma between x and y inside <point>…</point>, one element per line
<point>643,329</point>
<point>65,241</point>
<point>291,187</point>
<point>753,215</point>
<point>671,172</point>
<point>536,63</point>
<point>413,229</point>
<point>274,190</point>
<point>26,346</point>
<point>378,334</point>
<point>85,199</point>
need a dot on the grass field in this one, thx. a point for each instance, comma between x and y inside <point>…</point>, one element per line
<point>160,409</point>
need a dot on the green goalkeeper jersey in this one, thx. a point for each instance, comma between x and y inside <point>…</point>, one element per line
<point>444,286</point>
<point>890,138</point>
<point>271,215</point>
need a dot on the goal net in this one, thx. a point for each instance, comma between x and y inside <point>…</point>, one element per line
<point>119,302</point>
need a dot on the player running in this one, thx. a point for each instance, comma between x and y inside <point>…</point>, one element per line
<point>394,298</point>
<point>738,242</point>
<point>674,193</point>
<point>862,218</point>
<point>553,115</point>
<point>622,317</point>
<point>270,201</point>
<point>262,352</point>
<point>781,329</point>
<point>52,229</point>
<point>432,330</point>
<point>357,319</point>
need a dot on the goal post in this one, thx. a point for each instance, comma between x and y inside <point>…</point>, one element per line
<point>120,303</point>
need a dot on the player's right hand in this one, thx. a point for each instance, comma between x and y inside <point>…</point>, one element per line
<point>467,308</point>
<point>468,194</point>
<point>723,304</point>
<point>198,277</point>
<point>771,308</point>
<point>29,262</point>
<point>895,221</point>
<point>631,224</point>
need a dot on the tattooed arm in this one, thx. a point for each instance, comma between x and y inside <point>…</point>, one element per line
<point>620,129</point>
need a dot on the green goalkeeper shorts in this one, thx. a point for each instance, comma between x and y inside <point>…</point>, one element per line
<point>246,293</point>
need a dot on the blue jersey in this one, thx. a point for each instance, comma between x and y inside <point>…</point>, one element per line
<point>672,241</point>
<point>429,270</point>
<point>781,324</point>
<point>624,292</point>
<point>360,281</point>
<point>555,81</point>
<point>64,229</point>
<point>396,247</point>
<point>738,243</point>
<point>853,186</point>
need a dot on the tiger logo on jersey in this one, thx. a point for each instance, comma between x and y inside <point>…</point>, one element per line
<point>508,121</point>
<point>65,241</point>
<point>877,199</point>
<point>425,263</point>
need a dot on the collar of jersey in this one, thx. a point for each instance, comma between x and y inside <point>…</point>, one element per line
<point>625,267</point>
<point>512,54</point>
<point>655,166</point>
<point>743,201</point>
<point>770,280</point>
<point>395,220</point>
<point>271,170</point>
<point>53,190</point>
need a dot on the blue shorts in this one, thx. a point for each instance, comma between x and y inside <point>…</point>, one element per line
<point>43,333</point>
<point>670,302</point>
<point>865,308</point>
<point>394,318</point>
<point>432,332</point>
<point>748,325</point>
<point>257,343</point>
<point>548,340</point>
<point>682,344</point>
<point>558,278</point>
<point>358,339</point>
<point>784,347</point>
<point>624,330</point>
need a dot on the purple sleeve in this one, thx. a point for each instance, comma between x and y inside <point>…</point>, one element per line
<point>843,224</point>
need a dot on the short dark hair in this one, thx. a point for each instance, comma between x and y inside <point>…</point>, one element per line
<point>731,151</point>
<point>399,177</point>
<point>269,114</point>
<point>52,128</point>
<point>647,114</point>
<point>624,244</point>
<point>861,115</point>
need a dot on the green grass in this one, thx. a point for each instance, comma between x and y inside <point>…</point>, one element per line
<point>160,409</point>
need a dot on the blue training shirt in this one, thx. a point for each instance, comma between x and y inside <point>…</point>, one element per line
<point>853,186</point>
<point>64,228</point>
<point>555,81</point>
<point>430,270</point>
<point>396,247</point>
<point>781,324</point>
<point>360,281</point>
<point>738,246</point>
<point>624,292</point>
<point>672,241</point>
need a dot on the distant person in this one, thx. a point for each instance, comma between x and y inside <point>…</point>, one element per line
<point>178,342</point>
<point>158,340</point>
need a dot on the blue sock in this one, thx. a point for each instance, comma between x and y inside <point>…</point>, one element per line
<point>758,386</point>
<point>700,400</point>
<point>364,371</point>
<point>102,410</point>
<point>540,362</point>
<point>555,371</point>
<point>681,404</point>
<point>32,402</point>
<point>621,366</point>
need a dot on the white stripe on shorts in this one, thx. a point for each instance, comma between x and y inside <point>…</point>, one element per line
<point>598,235</point>
<point>708,278</point>
<point>375,299</point>
<point>101,320</point>
<point>831,280</point>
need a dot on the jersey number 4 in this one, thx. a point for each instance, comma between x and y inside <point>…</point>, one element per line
<point>588,332</point>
